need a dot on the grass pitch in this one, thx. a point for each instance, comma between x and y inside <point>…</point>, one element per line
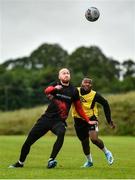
<point>70,159</point>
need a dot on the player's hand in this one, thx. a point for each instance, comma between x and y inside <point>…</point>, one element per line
<point>50,96</point>
<point>58,87</point>
<point>112,125</point>
<point>92,122</point>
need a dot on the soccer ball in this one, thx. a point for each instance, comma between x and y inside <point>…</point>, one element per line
<point>92,14</point>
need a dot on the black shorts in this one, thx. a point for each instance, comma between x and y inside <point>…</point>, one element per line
<point>44,124</point>
<point>82,128</point>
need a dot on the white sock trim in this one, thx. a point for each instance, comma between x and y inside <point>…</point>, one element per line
<point>105,150</point>
<point>89,157</point>
<point>20,162</point>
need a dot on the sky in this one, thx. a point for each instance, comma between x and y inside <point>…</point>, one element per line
<point>26,24</point>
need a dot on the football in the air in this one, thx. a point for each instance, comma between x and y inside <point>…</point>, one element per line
<point>92,14</point>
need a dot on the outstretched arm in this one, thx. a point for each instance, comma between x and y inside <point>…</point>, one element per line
<point>101,100</point>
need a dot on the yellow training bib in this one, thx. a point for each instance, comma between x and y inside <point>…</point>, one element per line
<point>86,101</point>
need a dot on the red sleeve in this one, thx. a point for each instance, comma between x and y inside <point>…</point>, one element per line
<point>49,89</point>
<point>80,110</point>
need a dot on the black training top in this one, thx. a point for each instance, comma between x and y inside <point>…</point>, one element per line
<point>101,100</point>
<point>61,102</point>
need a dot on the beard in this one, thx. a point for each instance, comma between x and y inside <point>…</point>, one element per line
<point>65,81</point>
<point>86,89</point>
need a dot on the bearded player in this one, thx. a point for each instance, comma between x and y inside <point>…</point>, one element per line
<point>61,95</point>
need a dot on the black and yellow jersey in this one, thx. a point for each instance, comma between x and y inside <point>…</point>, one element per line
<point>86,101</point>
<point>89,102</point>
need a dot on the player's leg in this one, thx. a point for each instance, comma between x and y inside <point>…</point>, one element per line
<point>93,134</point>
<point>85,145</point>
<point>38,130</point>
<point>83,135</point>
<point>59,130</point>
<point>100,144</point>
<point>86,150</point>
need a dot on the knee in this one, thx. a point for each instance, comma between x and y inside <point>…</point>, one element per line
<point>85,141</point>
<point>59,129</point>
<point>61,132</point>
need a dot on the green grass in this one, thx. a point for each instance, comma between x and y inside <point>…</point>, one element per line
<point>69,159</point>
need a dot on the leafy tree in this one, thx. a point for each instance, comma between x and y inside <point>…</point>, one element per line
<point>17,63</point>
<point>22,80</point>
<point>47,54</point>
<point>129,66</point>
<point>128,84</point>
<point>90,61</point>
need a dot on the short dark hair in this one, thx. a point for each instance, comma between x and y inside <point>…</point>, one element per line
<point>87,79</point>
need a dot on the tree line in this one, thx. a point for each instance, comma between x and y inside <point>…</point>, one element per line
<point>23,80</point>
